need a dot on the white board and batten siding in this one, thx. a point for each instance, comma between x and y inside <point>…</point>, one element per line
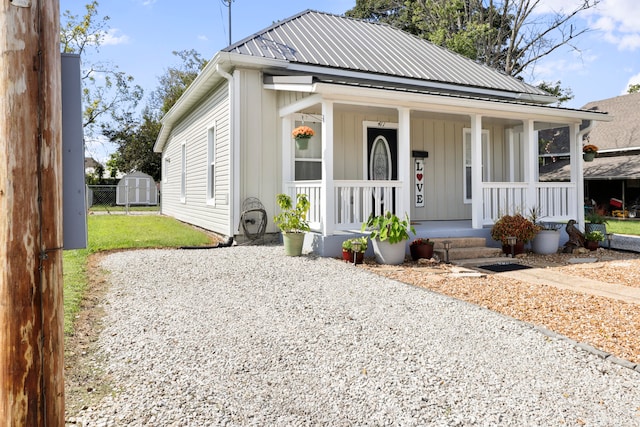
<point>193,132</point>
<point>260,143</point>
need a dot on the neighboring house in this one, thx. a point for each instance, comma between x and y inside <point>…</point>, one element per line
<point>451,140</point>
<point>615,174</point>
<point>90,165</point>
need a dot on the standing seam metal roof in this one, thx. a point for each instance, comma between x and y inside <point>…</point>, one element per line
<point>317,38</point>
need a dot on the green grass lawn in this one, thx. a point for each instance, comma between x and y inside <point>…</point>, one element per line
<point>109,232</point>
<point>623,227</point>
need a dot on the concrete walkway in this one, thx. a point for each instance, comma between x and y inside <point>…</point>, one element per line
<point>542,276</point>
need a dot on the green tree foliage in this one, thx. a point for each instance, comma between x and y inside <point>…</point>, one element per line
<point>633,88</point>
<point>135,137</point>
<point>563,94</point>
<point>509,35</point>
<point>176,80</point>
<point>107,92</point>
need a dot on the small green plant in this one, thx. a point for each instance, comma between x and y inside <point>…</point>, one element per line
<point>388,227</point>
<point>594,236</point>
<point>348,244</point>
<point>292,219</point>
<point>595,218</point>
<point>535,217</point>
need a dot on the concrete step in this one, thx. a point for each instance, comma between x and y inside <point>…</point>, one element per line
<point>460,242</point>
<point>469,253</point>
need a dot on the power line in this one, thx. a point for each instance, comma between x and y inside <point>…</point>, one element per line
<point>227,3</point>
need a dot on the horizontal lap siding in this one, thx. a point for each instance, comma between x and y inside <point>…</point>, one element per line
<point>193,130</point>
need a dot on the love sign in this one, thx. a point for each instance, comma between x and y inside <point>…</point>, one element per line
<point>419,182</point>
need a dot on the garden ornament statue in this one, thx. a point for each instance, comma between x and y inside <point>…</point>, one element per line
<point>576,237</point>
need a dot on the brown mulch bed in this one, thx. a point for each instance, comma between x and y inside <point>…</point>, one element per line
<point>608,324</point>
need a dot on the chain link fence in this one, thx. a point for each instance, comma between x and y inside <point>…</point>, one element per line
<point>123,199</point>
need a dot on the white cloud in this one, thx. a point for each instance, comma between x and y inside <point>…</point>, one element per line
<point>111,38</point>
<point>633,80</point>
<point>619,20</point>
<point>556,66</point>
<point>148,2</point>
<point>203,38</point>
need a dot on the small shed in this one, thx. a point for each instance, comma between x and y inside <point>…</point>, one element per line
<point>137,188</point>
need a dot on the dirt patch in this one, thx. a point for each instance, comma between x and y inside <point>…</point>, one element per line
<point>85,382</point>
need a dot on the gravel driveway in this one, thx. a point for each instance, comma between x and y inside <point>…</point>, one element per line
<point>247,336</point>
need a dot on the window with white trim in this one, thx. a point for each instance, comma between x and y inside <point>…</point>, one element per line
<point>466,155</point>
<point>183,172</point>
<point>211,166</point>
<point>308,162</point>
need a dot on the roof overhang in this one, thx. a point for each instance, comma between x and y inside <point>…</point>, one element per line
<point>455,104</point>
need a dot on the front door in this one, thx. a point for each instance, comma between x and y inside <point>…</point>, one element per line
<point>382,165</point>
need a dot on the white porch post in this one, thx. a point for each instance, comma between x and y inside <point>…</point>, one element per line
<point>577,173</point>
<point>530,165</point>
<point>512,156</point>
<point>404,161</point>
<point>287,152</point>
<point>327,201</point>
<point>477,204</point>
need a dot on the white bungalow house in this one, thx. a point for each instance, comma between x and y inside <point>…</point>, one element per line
<point>400,124</point>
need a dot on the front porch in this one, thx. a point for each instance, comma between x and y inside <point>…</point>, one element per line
<point>353,201</point>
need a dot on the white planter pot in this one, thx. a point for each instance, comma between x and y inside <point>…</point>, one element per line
<point>546,242</point>
<point>387,253</point>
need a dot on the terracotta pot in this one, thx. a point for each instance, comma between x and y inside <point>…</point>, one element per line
<point>591,245</point>
<point>518,248</point>
<point>347,256</point>
<point>421,251</point>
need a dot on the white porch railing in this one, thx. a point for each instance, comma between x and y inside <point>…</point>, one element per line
<point>312,190</point>
<point>354,201</point>
<point>553,199</point>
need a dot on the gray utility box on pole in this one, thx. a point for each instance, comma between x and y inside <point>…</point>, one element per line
<point>74,215</point>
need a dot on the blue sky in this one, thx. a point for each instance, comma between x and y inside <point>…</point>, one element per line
<point>145,32</point>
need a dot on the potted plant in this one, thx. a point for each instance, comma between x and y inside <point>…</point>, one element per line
<point>595,221</point>
<point>547,239</point>
<point>292,221</point>
<point>421,248</point>
<point>516,226</point>
<point>388,235</point>
<point>592,239</point>
<point>589,152</point>
<point>302,134</point>
<point>348,249</point>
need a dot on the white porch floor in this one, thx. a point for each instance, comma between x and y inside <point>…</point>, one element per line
<point>331,246</point>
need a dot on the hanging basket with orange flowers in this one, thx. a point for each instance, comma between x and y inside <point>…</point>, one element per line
<point>302,134</point>
<point>589,152</point>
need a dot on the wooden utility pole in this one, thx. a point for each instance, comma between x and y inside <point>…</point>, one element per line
<point>31,307</point>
